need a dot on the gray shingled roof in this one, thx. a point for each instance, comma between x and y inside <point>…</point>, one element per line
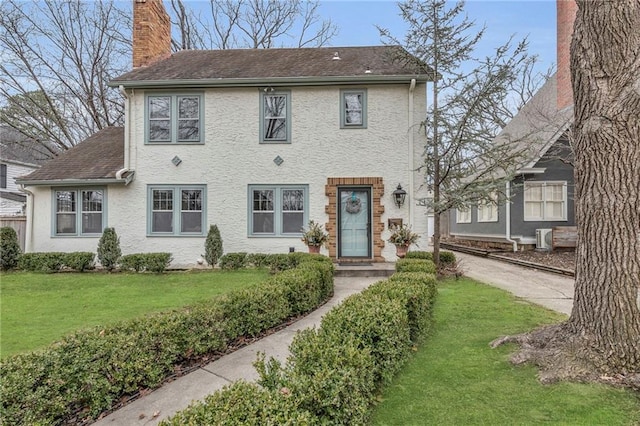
<point>538,124</point>
<point>97,158</point>
<point>304,64</point>
<point>15,147</point>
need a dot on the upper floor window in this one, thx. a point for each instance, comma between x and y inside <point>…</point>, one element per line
<point>176,210</point>
<point>275,117</point>
<point>277,210</point>
<point>79,212</point>
<point>3,176</point>
<point>174,118</point>
<point>545,201</point>
<point>353,109</point>
<point>488,209</point>
<point>463,215</point>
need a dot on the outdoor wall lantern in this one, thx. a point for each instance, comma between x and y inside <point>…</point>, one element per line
<point>399,195</point>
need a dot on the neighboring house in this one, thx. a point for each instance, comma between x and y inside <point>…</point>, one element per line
<point>542,194</point>
<point>18,156</point>
<point>258,142</point>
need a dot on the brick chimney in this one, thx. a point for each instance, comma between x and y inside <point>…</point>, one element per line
<point>566,14</point>
<point>151,32</point>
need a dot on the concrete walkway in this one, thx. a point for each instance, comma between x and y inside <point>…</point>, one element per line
<point>177,395</point>
<point>550,290</point>
<point>543,288</point>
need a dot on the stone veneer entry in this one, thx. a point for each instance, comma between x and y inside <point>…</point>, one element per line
<point>377,191</point>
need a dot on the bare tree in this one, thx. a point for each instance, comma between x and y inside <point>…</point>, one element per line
<point>463,163</point>
<point>228,24</point>
<point>601,339</point>
<point>57,59</point>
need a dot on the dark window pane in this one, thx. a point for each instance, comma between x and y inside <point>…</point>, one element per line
<point>92,223</point>
<point>160,130</point>
<point>65,223</point>
<point>188,130</point>
<point>275,128</point>
<point>188,108</point>
<point>191,222</point>
<point>159,107</point>
<point>293,200</point>
<point>292,223</point>
<point>192,199</point>
<point>162,222</point>
<point>91,201</point>
<point>66,201</point>
<point>162,199</point>
<point>263,223</point>
<point>263,200</point>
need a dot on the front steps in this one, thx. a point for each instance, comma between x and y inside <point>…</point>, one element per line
<point>364,270</point>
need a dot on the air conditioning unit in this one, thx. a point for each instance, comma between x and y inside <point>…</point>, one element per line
<point>543,238</point>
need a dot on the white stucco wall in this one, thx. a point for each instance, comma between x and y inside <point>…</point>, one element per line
<point>232,158</point>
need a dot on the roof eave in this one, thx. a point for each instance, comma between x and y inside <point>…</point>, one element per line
<point>73,182</point>
<point>276,81</point>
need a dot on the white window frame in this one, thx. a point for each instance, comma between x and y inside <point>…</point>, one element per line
<point>463,215</point>
<point>264,94</point>
<point>278,209</point>
<point>545,187</point>
<point>343,109</point>
<point>488,210</point>
<point>174,118</point>
<point>78,211</point>
<point>176,210</point>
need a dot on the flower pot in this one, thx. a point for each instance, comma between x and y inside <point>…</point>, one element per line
<point>314,249</point>
<point>401,251</point>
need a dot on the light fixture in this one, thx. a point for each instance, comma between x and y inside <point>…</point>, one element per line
<point>399,195</point>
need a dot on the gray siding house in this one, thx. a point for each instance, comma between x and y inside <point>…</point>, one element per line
<point>541,196</point>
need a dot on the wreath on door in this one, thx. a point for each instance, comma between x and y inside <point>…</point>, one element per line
<point>353,204</point>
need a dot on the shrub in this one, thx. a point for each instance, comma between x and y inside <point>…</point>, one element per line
<point>257,260</point>
<point>425,255</point>
<point>213,246</point>
<point>244,403</point>
<point>79,261</point>
<point>9,248</point>
<point>233,261</point>
<point>415,265</point>
<point>42,262</point>
<point>150,262</point>
<point>90,371</point>
<point>109,249</point>
<point>447,257</point>
<point>132,262</point>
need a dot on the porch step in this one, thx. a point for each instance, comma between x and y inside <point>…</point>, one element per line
<point>364,270</point>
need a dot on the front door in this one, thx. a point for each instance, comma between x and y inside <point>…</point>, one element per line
<point>354,217</point>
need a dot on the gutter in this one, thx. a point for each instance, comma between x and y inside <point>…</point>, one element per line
<point>255,82</point>
<point>507,206</point>
<point>412,194</point>
<point>78,182</point>
<point>127,138</point>
<point>29,231</point>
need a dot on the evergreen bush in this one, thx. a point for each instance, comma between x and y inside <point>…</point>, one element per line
<point>9,248</point>
<point>109,249</point>
<point>213,246</point>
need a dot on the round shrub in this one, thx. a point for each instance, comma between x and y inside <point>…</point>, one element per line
<point>415,265</point>
<point>9,248</point>
<point>425,255</point>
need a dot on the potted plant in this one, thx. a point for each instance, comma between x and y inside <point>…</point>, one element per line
<point>402,237</point>
<point>314,236</point>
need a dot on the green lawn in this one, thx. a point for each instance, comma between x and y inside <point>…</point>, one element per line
<point>455,378</point>
<point>38,309</point>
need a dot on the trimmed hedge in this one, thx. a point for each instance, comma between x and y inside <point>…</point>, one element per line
<point>446,257</point>
<point>415,265</point>
<point>79,261</point>
<point>9,248</point>
<point>333,373</point>
<point>275,262</point>
<point>150,262</point>
<point>89,371</point>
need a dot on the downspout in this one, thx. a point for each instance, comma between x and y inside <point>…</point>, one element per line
<point>29,228</point>
<point>507,206</point>
<point>412,87</point>
<point>127,128</point>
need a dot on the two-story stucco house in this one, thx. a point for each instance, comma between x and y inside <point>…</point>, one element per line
<point>258,142</point>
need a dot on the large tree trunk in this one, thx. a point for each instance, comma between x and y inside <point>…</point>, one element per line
<point>605,66</point>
